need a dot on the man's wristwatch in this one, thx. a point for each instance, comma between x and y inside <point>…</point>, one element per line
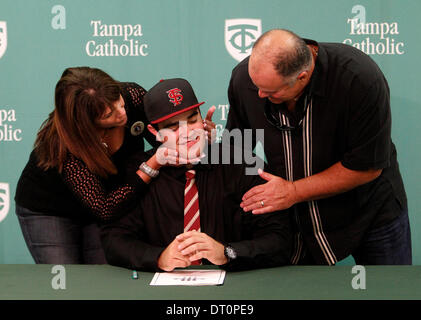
<point>148,170</point>
<point>230,252</point>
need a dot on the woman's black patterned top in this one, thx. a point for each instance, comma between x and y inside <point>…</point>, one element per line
<point>78,193</point>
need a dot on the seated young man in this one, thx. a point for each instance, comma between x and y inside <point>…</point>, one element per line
<point>191,213</point>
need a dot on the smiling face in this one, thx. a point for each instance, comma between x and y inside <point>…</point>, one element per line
<point>184,133</point>
<point>113,116</point>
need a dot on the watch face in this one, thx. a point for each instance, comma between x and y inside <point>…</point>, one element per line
<point>230,252</point>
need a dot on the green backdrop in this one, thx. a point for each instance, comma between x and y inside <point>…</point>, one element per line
<point>201,40</point>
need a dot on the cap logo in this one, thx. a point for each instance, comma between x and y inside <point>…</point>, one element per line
<point>175,96</point>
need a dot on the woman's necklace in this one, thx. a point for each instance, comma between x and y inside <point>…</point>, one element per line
<point>104,136</point>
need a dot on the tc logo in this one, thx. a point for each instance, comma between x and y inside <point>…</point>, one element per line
<point>4,200</point>
<point>175,96</point>
<point>240,35</point>
<point>3,38</point>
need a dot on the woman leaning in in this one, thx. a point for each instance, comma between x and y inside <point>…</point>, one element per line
<point>75,175</point>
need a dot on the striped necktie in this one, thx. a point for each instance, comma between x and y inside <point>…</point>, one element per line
<point>191,206</point>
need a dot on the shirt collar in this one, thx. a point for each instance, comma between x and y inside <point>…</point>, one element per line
<point>319,76</point>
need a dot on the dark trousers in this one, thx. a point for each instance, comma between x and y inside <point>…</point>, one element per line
<point>59,240</point>
<point>386,245</point>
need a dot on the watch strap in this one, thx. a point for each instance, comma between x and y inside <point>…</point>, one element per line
<point>153,173</point>
<point>229,252</point>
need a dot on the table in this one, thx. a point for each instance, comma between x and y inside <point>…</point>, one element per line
<point>105,282</point>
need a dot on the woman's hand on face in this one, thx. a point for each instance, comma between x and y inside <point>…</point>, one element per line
<point>170,157</point>
<point>167,154</point>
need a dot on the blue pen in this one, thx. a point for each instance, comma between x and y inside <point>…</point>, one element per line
<point>135,275</point>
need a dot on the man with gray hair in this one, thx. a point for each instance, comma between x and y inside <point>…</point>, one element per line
<point>325,110</point>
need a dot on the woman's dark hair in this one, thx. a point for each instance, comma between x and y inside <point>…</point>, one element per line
<point>81,96</point>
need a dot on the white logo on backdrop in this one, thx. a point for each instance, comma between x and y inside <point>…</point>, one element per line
<point>114,40</point>
<point>7,131</point>
<point>4,200</point>
<point>3,38</point>
<point>373,38</point>
<point>240,35</point>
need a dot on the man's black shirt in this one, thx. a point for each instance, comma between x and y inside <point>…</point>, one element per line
<point>348,120</point>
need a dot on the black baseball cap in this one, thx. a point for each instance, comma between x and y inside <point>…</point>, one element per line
<point>169,98</point>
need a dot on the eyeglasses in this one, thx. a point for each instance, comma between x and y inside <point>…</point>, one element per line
<point>274,121</point>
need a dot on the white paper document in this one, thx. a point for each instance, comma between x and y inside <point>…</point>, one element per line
<point>189,278</point>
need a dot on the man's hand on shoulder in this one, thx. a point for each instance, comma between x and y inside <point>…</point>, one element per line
<point>276,194</point>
